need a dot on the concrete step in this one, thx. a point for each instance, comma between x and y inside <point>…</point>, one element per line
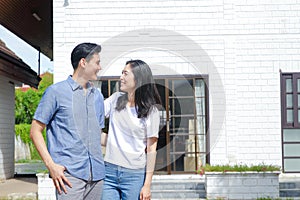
<point>190,187</point>
<point>186,199</point>
<point>289,189</point>
<point>178,185</point>
<point>289,186</point>
<point>175,194</point>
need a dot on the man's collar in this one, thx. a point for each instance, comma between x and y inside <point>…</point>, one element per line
<point>74,85</point>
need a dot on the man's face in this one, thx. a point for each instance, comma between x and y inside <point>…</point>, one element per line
<point>92,67</point>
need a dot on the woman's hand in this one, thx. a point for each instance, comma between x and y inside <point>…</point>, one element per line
<point>145,193</point>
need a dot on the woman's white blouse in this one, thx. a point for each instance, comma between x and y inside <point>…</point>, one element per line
<point>127,134</point>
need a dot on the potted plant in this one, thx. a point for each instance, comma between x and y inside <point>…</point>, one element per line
<point>241,181</point>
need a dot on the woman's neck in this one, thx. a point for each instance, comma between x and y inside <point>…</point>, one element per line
<point>131,101</point>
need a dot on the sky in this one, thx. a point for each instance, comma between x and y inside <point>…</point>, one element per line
<point>27,53</point>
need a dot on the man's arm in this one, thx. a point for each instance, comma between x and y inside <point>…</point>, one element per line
<point>56,171</point>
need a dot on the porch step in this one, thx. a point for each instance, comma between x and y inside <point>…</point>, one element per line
<point>289,189</point>
<point>289,186</point>
<point>189,187</point>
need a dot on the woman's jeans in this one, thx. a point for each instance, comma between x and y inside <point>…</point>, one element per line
<point>122,183</point>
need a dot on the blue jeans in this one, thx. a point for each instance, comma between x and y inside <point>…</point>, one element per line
<point>122,183</point>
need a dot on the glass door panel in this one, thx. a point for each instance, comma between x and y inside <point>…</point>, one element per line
<point>182,138</point>
<point>162,150</point>
<point>200,131</point>
<point>298,99</point>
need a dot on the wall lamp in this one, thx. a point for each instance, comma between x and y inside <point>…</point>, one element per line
<point>66,3</point>
<point>36,16</point>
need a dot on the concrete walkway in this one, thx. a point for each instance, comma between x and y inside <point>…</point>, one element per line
<point>24,185</point>
<point>17,188</point>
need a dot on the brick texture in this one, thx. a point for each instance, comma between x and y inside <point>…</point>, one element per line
<point>241,45</point>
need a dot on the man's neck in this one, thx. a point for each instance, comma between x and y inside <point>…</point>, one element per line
<point>80,80</point>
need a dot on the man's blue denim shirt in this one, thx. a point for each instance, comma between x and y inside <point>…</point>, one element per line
<point>74,121</point>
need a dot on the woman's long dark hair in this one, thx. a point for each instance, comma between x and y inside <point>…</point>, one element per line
<point>146,93</point>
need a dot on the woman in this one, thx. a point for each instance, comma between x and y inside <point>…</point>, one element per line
<point>132,136</point>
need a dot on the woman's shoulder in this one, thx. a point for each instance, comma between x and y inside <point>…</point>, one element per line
<point>117,94</point>
<point>154,110</point>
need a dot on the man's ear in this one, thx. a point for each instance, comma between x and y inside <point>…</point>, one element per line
<point>82,62</point>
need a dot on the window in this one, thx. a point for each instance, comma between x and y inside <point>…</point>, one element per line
<point>290,112</point>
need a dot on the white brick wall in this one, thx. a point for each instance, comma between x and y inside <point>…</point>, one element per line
<point>7,130</point>
<point>243,46</point>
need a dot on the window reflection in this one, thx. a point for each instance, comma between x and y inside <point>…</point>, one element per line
<point>289,85</point>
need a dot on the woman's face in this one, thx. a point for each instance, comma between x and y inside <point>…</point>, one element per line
<point>127,80</point>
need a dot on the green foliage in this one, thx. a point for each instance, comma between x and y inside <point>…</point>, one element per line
<point>238,168</point>
<point>23,130</point>
<point>26,102</point>
<point>25,105</point>
<point>47,79</point>
<point>28,161</point>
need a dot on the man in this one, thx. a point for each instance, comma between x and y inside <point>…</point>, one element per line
<point>73,113</point>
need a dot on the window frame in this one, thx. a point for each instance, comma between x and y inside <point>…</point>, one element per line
<point>295,107</point>
<point>295,93</point>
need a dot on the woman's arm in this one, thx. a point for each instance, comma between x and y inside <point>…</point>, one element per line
<point>145,193</point>
<point>104,139</point>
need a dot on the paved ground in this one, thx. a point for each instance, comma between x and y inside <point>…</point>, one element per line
<point>19,187</point>
<point>24,185</point>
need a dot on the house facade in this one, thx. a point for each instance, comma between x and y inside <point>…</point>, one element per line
<point>227,71</point>
<point>13,72</point>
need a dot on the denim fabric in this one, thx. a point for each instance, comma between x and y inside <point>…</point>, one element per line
<point>122,183</point>
<point>74,119</point>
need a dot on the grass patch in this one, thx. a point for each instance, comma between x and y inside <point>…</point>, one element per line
<point>238,168</point>
<point>28,161</point>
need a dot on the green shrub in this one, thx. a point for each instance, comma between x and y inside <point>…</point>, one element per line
<point>23,130</point>
<point>238,168</point>
<point>26,103</point>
